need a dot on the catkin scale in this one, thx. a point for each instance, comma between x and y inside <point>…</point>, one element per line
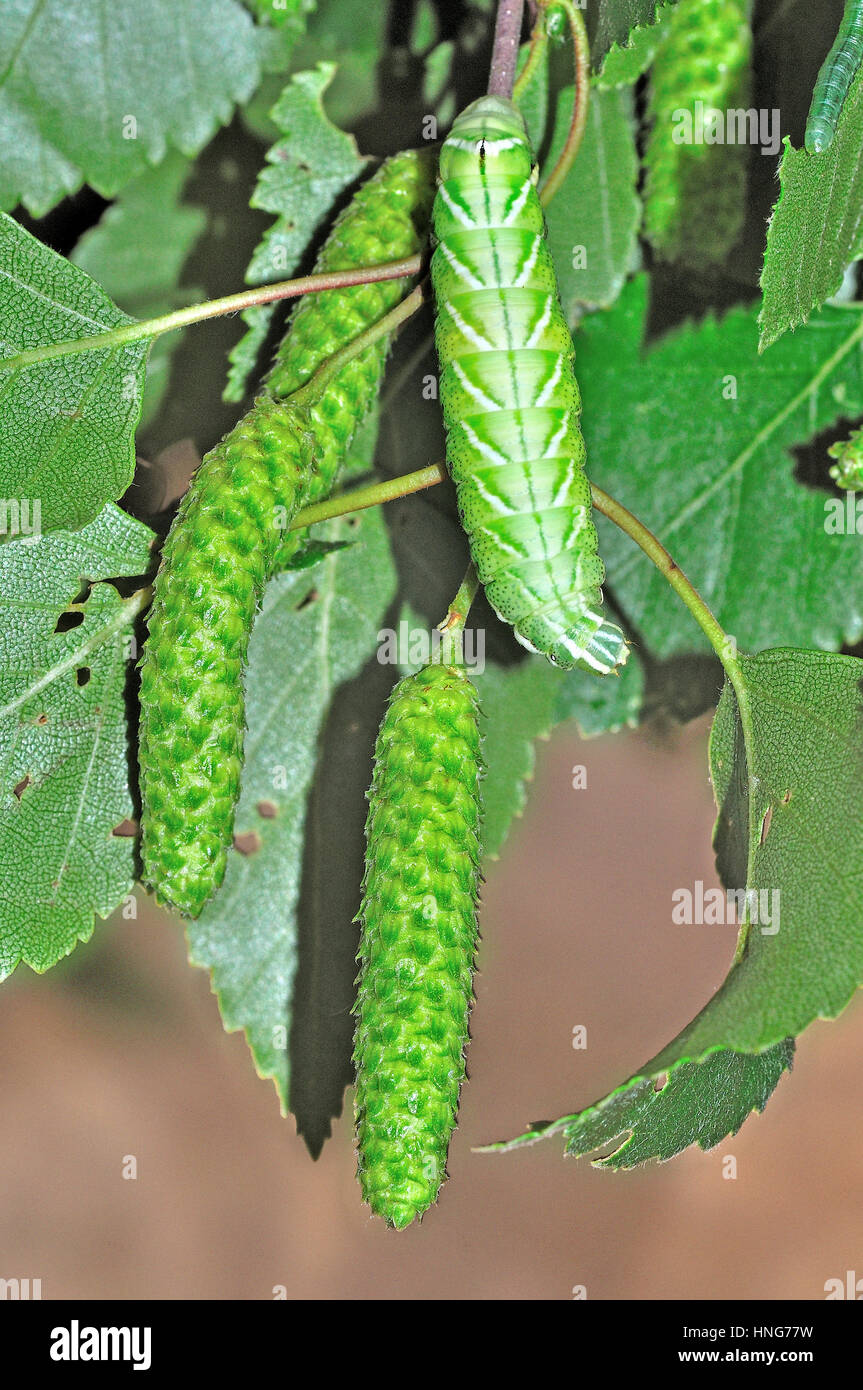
<point>418,939</point>
<point>510,399</point>
<point>834,79</point>
<point>695,191</point>
<point>224,545</point>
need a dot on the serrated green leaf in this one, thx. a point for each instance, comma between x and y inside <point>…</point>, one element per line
<point>693,435</point>
<point>618,22</point>
<point>136,254</point>
<point>354,43</point>
<point>786,763</point>
<point>279,939</point>
<point>517,705</point>
<point>68,424</point>
<point>96,91</point>
<point>626,61</point>
<point>786,766</point>
<point>305,173</point>
<point>63,736</point>
<point>815,230</point>
<point>700,1103</point>
<point>593,219</point>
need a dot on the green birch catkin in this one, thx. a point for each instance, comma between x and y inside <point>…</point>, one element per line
<point>418,940</point>
<point>386,220</point>
<point>225,544</point>
<point>695,194</point>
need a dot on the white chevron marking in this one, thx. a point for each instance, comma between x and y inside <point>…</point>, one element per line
<point>475,392</point>
<point>494,500</point>
<point>488,451</point>
<point>541,323</point>
<point>459,213</point>
<point>463,272</point>
<point>519,203</point>
<point>525,272</point>
<point>557,437</point>
<point>560,497</point>
<point>470,333</point>
<point>552,382</point>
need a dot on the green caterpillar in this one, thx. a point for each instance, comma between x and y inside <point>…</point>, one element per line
<point>419,935</point>
<point>695,195</point>
<point>510,398</point>
<point>833,83</point>
<point>847,472</point>
<point>224,544</point>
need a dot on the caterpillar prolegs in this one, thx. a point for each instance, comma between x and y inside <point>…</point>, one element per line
<point>510,399</point>
<point>419,933</point>
<point>224,545</point>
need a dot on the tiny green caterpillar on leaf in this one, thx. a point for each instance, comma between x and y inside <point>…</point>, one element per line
<point>224,544</point>
<point>833,83</point>
<point>419,935</point>
<point>695,194</point>
<point>510,398</point>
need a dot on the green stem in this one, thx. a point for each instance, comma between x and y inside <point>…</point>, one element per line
<point>671,571</point>
<point>452,627</point>
<point>313,388</point>
<point>461,605</point>
<point>581,57</point>
<point>214,308</point>
<point>370,496</point>
<point>393,488</point>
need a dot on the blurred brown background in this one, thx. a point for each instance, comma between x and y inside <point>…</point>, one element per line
<point>130,1058</point>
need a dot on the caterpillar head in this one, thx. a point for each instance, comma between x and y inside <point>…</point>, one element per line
<point>490,130</point>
